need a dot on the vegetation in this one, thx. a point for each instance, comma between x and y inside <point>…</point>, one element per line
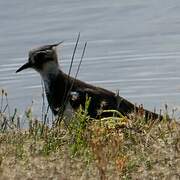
<point>117,147</point>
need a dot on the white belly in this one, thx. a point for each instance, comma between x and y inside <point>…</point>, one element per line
<point>69,111</point>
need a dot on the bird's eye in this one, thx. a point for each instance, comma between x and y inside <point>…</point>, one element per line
<point>39,58</point>
<point>40,55</point>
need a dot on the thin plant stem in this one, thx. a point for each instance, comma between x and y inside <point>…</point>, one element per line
<point>7,102</point>
<point>2,99</point>
<point>43,99</point>
<point>62,108</point>
<point>69,91</point>
<point>74,52</point>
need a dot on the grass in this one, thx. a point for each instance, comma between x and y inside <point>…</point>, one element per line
<point>111,148</point>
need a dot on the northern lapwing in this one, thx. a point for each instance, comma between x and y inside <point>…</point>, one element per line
<point>62,89</point>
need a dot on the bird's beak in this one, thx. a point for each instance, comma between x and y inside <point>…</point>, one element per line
<point>25,66</point>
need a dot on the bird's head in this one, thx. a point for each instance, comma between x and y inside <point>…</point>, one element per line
<point>41,57</point>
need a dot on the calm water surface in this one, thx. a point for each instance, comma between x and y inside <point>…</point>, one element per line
<point>133,46</point>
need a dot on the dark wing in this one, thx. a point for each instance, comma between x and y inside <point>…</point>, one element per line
<point>98,100</point>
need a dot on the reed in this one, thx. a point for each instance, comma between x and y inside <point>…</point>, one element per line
<point>68,91</point>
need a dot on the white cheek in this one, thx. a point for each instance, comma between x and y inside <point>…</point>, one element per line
<point>32,60</point>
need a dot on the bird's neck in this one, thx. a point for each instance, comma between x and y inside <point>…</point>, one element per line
<point>49,69</point>
<point>54,82</point>
<point>49,74</point>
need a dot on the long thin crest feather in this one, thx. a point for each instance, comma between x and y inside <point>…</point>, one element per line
<point>56,44</point>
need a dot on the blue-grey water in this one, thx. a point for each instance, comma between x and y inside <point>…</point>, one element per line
<point>133,47</point>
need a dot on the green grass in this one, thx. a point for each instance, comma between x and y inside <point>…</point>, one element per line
<point>111,148</point>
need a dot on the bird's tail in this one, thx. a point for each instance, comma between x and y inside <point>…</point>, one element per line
<point>125,107</point>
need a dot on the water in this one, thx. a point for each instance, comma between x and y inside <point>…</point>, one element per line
<point>133,46</point>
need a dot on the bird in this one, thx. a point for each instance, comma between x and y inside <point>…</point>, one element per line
<point>63,91</point>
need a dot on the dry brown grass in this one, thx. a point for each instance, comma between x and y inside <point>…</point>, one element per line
<point>114,148</point>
